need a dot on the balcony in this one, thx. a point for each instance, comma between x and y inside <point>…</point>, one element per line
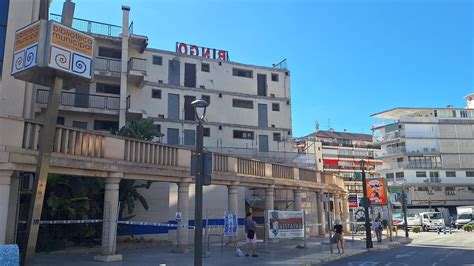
<point>407,165</point>
<point>83,102</point>
<point>136,70</point>
<point>94,27</point>
<point>389,137</point>
<point>107,67</point>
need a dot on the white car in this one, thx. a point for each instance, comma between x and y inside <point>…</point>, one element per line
<point>432,221</point>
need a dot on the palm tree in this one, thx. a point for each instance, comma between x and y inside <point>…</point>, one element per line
<point>129,191</point>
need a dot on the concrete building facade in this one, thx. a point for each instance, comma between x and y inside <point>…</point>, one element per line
<point>430,152</point>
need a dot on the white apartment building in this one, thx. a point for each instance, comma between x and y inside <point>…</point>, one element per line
<point>249,105</point>
<point>430,152</point>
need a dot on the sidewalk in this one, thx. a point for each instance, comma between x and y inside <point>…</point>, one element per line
<point>282,253</point>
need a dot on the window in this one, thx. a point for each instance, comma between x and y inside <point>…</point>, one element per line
<point>275,77</point>
<point>156,93</point>
<point>240,134</point>
<point>242,73</point>
<point>157,129</point>
<point>276,136</point>
<point>79,124</point>
<point>60,120</point>
<point>435,113</point>
<point>421,174</point>
<point>437,188</point>
<point>157,60</point>
<point>105,125</point>
<point>206,132</point>
<point>400,175</point>
<point>469,173</point>
<point>107,88</point>
<point>242,103</point>
<point>189,111</point>
<point>463,113</point>
<point>206,98</point>
<point>450,173</point>
<point>205,67</point>
<point>110,52</point>
<point>276,107</point>
<point>434,174</point>
<point>390,176</point>
<point>423,189</point>
<point>399,160</point>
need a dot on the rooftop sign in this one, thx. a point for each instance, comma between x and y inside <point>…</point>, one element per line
<point>45,49</point>
<point>194,50</point>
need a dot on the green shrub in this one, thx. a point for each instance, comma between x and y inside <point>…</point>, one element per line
<point>468,228</point>
<point>416,229</point>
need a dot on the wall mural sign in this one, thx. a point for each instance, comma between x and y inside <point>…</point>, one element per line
<point>194,50</point>
<point>45,49</point>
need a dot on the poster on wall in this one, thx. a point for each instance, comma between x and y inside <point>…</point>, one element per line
<point>285,224</point>
<point>230,224</point>
<point>353,201</point>
<point>377,191</point>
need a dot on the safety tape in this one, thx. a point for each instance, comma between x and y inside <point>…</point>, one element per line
<point>90,221</point>
<point>156,224</point>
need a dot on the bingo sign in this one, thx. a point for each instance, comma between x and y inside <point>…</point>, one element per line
<point>230,224</point>
<point>47,49</point>
<point>285,224</point>
<point>70,50</point>
<point>26,48</point>
<point>352,200</point>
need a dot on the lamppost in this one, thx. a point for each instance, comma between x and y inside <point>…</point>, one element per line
<point>199,104</point>
<point>404,208</point>
<point>366,201</point>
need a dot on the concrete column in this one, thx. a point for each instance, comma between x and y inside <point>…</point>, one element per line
<point>183,207</point>
<point>345,214</point>
<point>5,182</point>
<point>337,206</point>
<point>269,198</point>
<point>297,197</point>
<point>320,213</point>
<point>124,67</point>
<point>109,224</point>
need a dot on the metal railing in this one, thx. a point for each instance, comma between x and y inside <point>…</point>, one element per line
<point>107,64</point>
<point>138,64</point>
<point>94,27</point>
<point>81,100</point>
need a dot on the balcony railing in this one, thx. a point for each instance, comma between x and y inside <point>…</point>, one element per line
<point>407,165</point>
<point>94,27</point>
<point>390,136</point>
<point>81,100</point>
<point>107,64</point>
<point>137,64</point>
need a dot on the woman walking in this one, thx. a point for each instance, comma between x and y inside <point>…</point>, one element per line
<point>338,236</point>
<point>251,232</point>
<point>378,230</point>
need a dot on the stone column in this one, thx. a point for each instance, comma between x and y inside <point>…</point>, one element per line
<point>269,198</point>
<point>109,224</point>
<point>337,206</point>
<point>320,213</point>
<point>232,203</point>
<point>345,214</point>
<point>5,182</point>
<point>183,207</point>
<point>297,197</point>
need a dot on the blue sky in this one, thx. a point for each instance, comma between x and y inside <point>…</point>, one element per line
<point>348,59</point>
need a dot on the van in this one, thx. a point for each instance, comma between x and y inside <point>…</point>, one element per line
<point>432,221</point>
<point>464,216</point>
<point>413,219</point>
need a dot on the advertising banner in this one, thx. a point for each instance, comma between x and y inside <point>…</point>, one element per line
<point>377,191</point>
<point>285,224</point>
<point>230,224</point>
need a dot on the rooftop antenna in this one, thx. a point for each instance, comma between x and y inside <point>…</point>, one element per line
<point>316,125</point>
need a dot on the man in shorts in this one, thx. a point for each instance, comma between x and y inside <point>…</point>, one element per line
<point>338,236</point>
<point>251,232</point>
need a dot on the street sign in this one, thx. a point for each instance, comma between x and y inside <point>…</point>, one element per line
<point>178,216</point>
<point>230,224</point>
<point>207,171</point>
<point>44,50</point>
<point>353,201</point>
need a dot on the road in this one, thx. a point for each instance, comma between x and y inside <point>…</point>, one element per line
<point>427,248</point>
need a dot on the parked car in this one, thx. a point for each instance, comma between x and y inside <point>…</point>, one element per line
<point>398,219</point>
<point>432,221</point>
<point>413,219</point>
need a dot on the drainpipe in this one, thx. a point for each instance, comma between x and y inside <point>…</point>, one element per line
<point>124,68</point>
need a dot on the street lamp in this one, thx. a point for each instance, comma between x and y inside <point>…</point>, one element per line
<point>404,208</point>
<point>366,201</point>
<point>202,105</point>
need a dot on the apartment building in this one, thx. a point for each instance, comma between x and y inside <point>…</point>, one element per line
<point>339,153</point>
<point>430,152</point>
<point>250,106</point>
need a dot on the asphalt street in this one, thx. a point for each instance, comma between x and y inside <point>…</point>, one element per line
<point>427,248</point>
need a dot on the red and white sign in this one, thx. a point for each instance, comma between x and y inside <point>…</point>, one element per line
<point>194,50</point>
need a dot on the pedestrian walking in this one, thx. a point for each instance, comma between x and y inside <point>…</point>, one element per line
<point>251,232</point>
<point>378,227</point>
<point>338,236</point>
